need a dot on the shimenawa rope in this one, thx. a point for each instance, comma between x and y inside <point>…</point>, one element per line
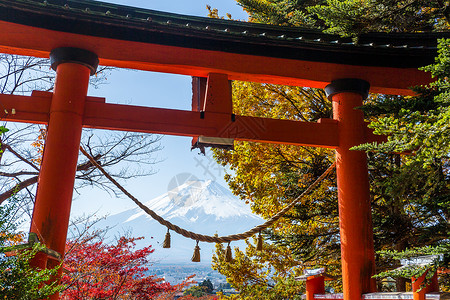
<point>206,238</point>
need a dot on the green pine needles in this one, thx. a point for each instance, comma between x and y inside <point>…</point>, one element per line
<point>432,258</point>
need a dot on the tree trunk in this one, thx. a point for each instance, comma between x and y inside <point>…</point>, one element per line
<point>400,283</point>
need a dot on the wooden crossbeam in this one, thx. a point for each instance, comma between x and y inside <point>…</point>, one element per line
<point>100,115</point>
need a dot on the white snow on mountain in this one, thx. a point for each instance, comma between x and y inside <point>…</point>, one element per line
<point>203,207</point>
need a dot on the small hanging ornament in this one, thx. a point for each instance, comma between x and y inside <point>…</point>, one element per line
<point>259,245</point>
<point>166,243</point>
<point>228,254</point>
<point>196,256</point>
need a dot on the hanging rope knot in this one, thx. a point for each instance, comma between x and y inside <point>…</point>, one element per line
<point>228,254</point>
<point>166,243</point>
<point>196,256</point>
<point>259,244</point>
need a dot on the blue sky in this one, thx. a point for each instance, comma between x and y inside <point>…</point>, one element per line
<point>187,7</point>
<point>157,90</point>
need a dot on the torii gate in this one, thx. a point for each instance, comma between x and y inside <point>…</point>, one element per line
<point>78,34</point>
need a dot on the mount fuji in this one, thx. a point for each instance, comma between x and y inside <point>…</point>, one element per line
<point>203,207</point>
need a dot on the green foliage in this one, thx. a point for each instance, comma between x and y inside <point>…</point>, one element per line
<point>354,17</point>
<point>442,260</point>
<point>351,17</point>
<point>8,224</point>
<point>18,280</point>
<point>343,17</point>
<point>196,291</point>
<point>207,284</point>
<point>3,130</point>
<point>203,290</point>
<point>421,129</point>
<point>412,191</point>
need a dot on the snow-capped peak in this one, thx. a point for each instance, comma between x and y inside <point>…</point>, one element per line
<point>194,199</point>
<point>204,207</point>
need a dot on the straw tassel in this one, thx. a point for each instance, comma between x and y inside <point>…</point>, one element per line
<point>196,256</point>
<point>259,245</point>
<point>228,254</point>
<point>166,243</point>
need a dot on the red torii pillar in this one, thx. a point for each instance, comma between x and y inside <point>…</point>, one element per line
<point>355,218</point>
<point>419,292</point>
<point>57,175</point>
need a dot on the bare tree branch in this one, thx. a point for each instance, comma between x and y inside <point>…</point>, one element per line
<point>18,187</point>
<point>20,157</point>
<point>126,155</point>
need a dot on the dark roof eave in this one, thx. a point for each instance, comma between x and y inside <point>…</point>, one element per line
<point>131,24</point>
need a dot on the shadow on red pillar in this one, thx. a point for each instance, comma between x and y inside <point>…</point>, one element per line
<point>432,286</point>
<point>314,285</point>
<point>355,219</point>
<point>57,175</point>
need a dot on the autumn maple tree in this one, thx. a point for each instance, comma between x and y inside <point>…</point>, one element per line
<point>95,269</point>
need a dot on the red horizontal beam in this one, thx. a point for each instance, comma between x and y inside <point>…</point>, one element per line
<point>25,109</point>
<point>32,41</point>
<point>189,123</point>
<point>100,115</point>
